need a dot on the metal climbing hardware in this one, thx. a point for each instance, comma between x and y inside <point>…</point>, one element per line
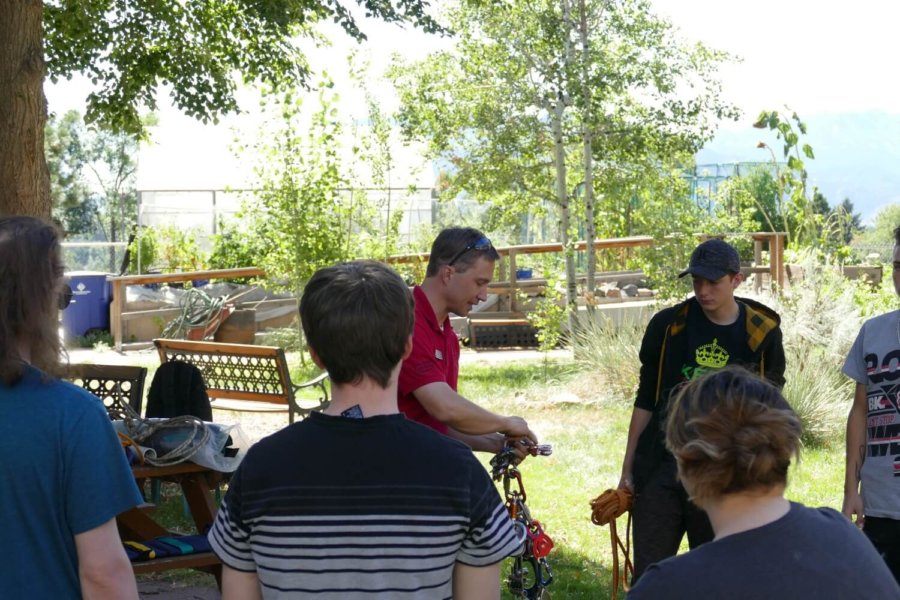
<point>541,544</point>
<point>530,574</point>
<point>541,450</point>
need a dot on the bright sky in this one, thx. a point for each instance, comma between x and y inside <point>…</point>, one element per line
<point>812,56</point>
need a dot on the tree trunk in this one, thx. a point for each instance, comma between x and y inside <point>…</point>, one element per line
<point>562,192</point>
<point>562,198</point>
<point>24,178</point>
<point>590,229</point>
<point>112,198</point>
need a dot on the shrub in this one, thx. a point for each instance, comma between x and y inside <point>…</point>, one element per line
<point>98,339</point>
<point>288,338</point>
<point>876,301</point>
<point>820,320</point>
<point>609,351</point>
<point>241,242</point>
<point>178,250</point>
<point>818,392</point>
<point>145,244</point>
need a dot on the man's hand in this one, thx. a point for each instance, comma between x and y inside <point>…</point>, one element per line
<point>625,482</point>
<point>519,445</point>
<point>853,505</point>
<point>856,455</point>
<point>516,427</point>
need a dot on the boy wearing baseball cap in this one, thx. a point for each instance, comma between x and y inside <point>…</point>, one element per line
<point>712,329</point>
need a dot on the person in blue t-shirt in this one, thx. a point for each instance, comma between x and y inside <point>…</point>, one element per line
<point>64,474</point>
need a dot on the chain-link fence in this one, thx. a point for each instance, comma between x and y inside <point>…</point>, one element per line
<point>105,257</point>
<point>203,210</point>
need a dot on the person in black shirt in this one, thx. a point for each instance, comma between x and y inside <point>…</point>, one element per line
<point>712,329</point>
<point>734,436</point>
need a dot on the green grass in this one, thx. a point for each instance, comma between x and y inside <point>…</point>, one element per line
<point>586,421</point>
<point>588,437</point>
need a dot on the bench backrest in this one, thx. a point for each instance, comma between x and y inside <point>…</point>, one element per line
<point>115,385</point>
<point>235,371</point>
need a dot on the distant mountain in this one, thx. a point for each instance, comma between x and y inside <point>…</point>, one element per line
<point>857,156</point>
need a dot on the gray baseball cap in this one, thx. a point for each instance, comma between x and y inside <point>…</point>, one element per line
<point>713,259</point>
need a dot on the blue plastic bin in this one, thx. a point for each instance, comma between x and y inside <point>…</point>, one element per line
<point>91,296</point>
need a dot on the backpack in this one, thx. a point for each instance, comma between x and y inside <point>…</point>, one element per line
<point>178,389</point>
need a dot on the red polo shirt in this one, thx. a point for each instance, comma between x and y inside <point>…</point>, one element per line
<point>434,358</point>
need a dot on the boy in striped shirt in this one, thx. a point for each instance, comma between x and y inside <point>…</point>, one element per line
<point>358,501</point>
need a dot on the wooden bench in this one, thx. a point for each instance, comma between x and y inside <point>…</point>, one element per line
<point>138,523</point>
<point>246,373</point>
<point>202,561</point>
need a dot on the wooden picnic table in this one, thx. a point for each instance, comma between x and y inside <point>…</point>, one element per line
<point>137,524</point>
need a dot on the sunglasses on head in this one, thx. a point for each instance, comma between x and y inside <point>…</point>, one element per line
<point>65,297</point>
<point>480,244</point>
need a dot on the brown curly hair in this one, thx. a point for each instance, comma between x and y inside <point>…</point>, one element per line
<point>731,431</point>
<point>32,274</point>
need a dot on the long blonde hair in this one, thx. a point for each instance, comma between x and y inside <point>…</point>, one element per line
<point>31,274</point>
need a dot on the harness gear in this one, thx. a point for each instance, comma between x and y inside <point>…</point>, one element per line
<point>605,509</point>
<point>530,574</point>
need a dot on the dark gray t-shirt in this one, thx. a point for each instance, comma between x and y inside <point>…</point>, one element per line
<point>874,360</point>
<point>810,553</point>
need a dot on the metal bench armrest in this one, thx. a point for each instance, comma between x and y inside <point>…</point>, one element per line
<point>317,382</point>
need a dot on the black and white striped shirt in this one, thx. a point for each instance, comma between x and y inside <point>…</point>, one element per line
<point>351,508</point>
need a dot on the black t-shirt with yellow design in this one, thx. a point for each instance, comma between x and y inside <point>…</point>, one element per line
<point>679,345</point>
<point>711,346</point>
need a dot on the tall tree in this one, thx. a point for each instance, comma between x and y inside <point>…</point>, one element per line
<point>297,218</point>
<point>850,221</point>
<point>541,96</point>
<point>112,164</point>
<point>72,204</point>
<point>881,233</point>
<point>376,143</point>
<point>129,49</point>
<point>92,172</point>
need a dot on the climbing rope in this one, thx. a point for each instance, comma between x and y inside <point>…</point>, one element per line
<point>141,432</point>
<point>605,509</point>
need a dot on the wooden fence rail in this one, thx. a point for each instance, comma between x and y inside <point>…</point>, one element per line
<point>507,269</point>
<point>116,309</point>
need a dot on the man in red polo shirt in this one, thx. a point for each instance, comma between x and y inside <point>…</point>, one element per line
<point>459,270</point>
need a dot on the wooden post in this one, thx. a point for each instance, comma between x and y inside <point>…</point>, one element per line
<point>115,313</point>
<point>512,282</point>
<point>501,276</point>
<point>757,259</point>
<point>779,266</point>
